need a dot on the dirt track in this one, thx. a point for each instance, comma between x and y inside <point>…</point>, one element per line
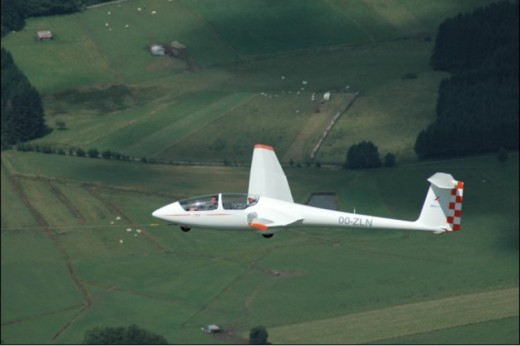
<point>50,232</point>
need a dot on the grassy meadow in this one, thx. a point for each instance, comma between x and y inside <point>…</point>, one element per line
<point>80,248</point>
<point>174,282</point>
<point>98,76</point>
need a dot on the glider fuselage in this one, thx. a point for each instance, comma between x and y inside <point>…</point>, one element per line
<point>269,206</point>
<point>198,213</point>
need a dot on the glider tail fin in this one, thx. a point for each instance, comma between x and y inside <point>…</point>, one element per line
<point>442,208</point>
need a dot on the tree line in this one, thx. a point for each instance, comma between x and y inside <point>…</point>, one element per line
<point>477,107</point>
<point>14,12</point>
<point>21,106</point>
<point>22,110</point>
<point>135,335</point>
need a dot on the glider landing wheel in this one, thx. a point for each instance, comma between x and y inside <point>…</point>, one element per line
<point>185,229</point>
<point>267,235</point>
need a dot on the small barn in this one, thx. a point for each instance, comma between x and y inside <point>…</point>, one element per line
<point>177,48</point>
<point>212,329</point>
<point>44,35</point>
<point>157,50</point>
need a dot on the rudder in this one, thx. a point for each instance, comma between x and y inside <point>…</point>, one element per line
<point>442,209</point>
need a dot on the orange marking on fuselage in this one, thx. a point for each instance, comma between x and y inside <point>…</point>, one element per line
<point>258,226</point>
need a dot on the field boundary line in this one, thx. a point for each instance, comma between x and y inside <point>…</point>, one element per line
<point>220,114</point>
<point>350,18</point>
<point>116,210</point>
<point>49,232</point>
<point>43,314</point>
<point>332,122</point>
<point>402,320</point>
<point>67,203</point>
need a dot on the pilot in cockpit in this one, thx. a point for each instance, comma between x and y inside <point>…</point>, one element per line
<point>251,199</point>
<point>213,204</point>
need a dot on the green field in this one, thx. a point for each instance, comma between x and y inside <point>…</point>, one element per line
<point>174,282</point>
<point>98,76</point>
<point>72,255</point>
<point>404,319</point>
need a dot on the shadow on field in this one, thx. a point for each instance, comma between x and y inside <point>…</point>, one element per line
<point>100,99</point>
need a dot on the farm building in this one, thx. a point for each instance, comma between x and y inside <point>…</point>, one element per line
<point>157,50</point>
<point>44,35</point>
<point>212,329</point>
<point>177,48</point>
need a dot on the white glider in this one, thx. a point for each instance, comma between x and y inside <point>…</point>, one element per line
<point>268,206</point>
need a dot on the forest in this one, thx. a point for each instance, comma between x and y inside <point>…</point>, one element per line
<point>477,107</point>
<point>14,12</point>
<point>22,109</point>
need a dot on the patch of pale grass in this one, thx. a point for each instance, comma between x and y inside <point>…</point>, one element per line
<point>401,320</point>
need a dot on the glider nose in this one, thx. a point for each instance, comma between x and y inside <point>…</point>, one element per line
<point>168,212</point>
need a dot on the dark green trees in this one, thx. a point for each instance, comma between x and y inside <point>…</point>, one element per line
<point>363,155</point>
<point>132,335</point>
<point>258,336</point>
<point>477,108</point>
<point>22,110</point>
<point>12,17</point>
<point>14,12</point>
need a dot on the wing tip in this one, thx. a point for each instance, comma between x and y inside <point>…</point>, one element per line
<point>264,146</point>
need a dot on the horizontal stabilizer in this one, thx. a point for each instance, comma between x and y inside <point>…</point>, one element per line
<point>443,180</point>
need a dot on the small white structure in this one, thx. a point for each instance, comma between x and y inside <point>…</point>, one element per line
<point>212,329</point>
<point>326,96</point>
<point>44,35</point>
<point>157,50</point>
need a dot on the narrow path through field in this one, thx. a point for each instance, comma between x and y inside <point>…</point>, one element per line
<point>402,320</point>
<point>313,133</point>
<point>252,266</point>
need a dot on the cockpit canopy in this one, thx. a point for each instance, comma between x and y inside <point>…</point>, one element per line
<point>228,201</point>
